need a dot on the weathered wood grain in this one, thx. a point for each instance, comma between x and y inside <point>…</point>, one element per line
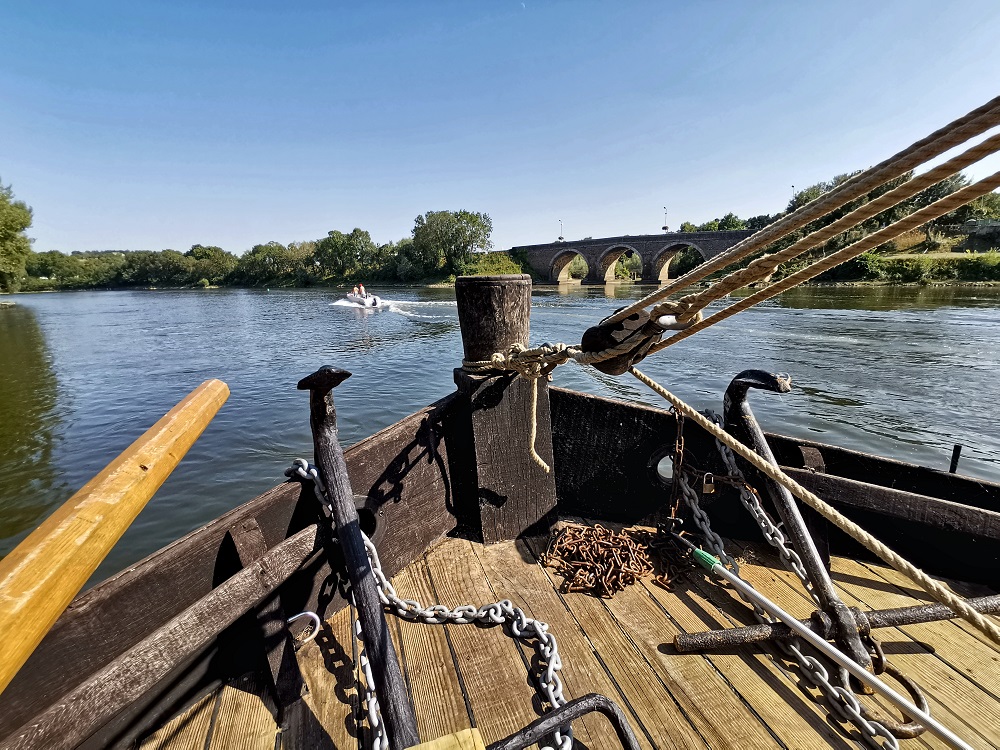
<point>328,668</point>
<point>642,692</point>
<point>111,689</point>
<point>188,731</point>
<point>487,659</point>
<point>508,492</point>
<point>513,573</point>
<point>245,717</point>
<point>428,663</point>
<point>764,684</point>
<point>40,577</point>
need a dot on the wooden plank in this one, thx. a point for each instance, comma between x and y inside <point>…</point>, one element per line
<point>706,697</point>
<point>467,739</point>
<point>954,700</point>
<point>403,470</point>
<point>899,588</point>
<point>245,718</point>
<point>327,665</point>
<point>489,664</point>
<point>40,577</point>
<point>930,512</point>
<point>125,680</point>
<point>955,647</point>
<point>592,465</point>
<point>888,472</point>
<point>430,669</point>
<point>768,688</point>
<point>187,731</point>
<point>514,574</point>
<point>660,718</point>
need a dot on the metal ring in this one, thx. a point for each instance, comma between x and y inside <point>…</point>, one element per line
<point>902,730</point>
<point>317,625</point>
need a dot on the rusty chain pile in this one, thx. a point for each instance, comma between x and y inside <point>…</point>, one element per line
<point>601,562</point>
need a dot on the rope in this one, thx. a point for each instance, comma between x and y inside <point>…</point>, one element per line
<point>914,220</point>
<point>932,587</point>
<point>974,123</point>
<point>766,265</point>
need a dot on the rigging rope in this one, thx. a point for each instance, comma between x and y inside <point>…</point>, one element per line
<point>914,220</point>
<point>957,132</point>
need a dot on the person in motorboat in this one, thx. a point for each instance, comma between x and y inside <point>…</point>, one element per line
<point>355,292</point>
<point>364,294</point>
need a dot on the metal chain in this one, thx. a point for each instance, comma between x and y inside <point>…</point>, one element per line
<point>521,626</point>
<point>841,701</point>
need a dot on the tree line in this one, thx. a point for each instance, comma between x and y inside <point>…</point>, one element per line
<point>442,244</point>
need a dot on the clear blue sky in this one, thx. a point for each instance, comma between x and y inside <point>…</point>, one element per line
<point>147,125</point>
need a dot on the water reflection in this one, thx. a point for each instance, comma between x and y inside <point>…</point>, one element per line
<point>884,298</point>
<point>28,423</point>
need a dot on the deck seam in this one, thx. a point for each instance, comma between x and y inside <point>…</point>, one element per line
<point>593,649</point>
<point>215,715</point>
<point>641,655</point>
<point>907,637</point>
<point>451,648</point>
<point>718,671</point>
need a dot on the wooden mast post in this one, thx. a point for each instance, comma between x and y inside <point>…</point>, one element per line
<point>510,492</point>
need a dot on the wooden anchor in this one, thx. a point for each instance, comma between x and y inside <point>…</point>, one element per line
<point>400,722</point>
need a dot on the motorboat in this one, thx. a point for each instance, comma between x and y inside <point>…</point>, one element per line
<point>367,300</point>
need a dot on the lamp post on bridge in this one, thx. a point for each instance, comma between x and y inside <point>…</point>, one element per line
<point>665,227</point>
<point>560,231</point>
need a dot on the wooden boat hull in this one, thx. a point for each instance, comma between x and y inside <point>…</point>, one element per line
<point>415,488</point>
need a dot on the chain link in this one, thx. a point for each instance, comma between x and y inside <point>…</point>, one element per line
<point>503,612</point>
<point>841,701</point>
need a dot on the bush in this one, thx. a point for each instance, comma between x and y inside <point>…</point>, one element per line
<point>491,264</point>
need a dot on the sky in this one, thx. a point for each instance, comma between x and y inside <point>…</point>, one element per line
<point>144,125</point>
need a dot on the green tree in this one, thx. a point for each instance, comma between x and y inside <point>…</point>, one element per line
<point>414,262</point>
<point>451,237</point>
<point>687,226</point>
<point>15,247</point>
<point>341,255</point>
<point>756,223</point>
<point>731,222</point>
<point>265,264</point>
<point>211,263</point>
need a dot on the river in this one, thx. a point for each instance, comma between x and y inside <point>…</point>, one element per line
<point>903,372</point>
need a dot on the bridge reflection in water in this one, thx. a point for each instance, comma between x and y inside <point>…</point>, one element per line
<point>655,251</point>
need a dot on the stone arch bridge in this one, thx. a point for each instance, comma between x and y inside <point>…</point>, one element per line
<point>552,261</point>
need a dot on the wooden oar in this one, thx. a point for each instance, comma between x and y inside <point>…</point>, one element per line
<point>41,576</point>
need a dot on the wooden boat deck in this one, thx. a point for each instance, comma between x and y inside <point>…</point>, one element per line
<point>465,675</point>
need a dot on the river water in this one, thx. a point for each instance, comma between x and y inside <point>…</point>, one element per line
<point>903,372</point>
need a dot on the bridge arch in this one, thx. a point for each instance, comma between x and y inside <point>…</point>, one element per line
<point>559,269</point>
<point>609,258</point>
<point>659,265</point>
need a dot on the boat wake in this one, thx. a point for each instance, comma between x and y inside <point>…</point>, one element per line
<point>443,310</point>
